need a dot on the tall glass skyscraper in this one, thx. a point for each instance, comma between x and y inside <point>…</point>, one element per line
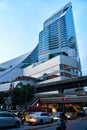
<point>58,36</point>
<point>54,58</point>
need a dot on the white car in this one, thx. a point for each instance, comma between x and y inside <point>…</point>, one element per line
<point>40,118</point>
<point>8,119</point>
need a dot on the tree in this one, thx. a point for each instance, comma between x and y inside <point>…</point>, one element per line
<point>1,97</point>
<point>79,89</point>
<point>23,95</point>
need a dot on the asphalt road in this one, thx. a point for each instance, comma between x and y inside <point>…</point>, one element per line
<point>78,124</point>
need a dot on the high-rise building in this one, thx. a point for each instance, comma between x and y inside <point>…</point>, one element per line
<point>58,36</point>
<point>58,55</point>
<point>54,58</point>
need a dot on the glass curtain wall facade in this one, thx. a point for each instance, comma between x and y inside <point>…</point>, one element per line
<point>56,40</point>
<point>58,35</point>
<point>31,58</point>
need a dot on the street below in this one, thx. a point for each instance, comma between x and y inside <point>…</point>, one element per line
<point>78,124</point>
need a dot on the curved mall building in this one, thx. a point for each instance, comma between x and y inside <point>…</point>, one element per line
<point>54,58</point>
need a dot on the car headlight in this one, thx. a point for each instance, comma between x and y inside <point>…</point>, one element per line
<point>34,119</point>
<point>68,116</point>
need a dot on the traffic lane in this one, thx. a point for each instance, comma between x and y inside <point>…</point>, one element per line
<point>80,124</point>
<point>77,125</point>
<point>22,127</point>
<point>26,126</point>
<point>49,128</point>
<point>71,125</point>
<point>44,126</point>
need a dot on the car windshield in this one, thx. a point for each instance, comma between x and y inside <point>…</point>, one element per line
<point>36,114</point>
<point>39,114</point>
<point>9,114</point>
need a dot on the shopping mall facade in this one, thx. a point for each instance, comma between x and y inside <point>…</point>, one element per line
<point>54,58</point>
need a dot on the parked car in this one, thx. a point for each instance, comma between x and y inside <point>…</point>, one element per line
<point>85,110</point>
<point>8,119</point>
<point>40,118</point>
<point>70,115</point>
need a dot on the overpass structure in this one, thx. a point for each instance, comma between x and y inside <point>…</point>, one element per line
<point>60,99</point>
<point>65,100</point>
<point>62,85</point>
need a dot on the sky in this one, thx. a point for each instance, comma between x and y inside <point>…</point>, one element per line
<point>22,20</point>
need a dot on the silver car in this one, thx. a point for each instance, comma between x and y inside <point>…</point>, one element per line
<point>8,119</point>
<point>40,118</point>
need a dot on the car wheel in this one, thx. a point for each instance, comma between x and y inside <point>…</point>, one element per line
<point>64,128</point>
<point>41,122</point>
<point>58,128</point>
<point>52,120</point>
<point>17,124</point>
<point>61,128</point>
<point>30,123</point>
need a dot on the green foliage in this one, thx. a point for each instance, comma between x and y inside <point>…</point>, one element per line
<point>3,97</point>
<point>22,95</point>
<point>79,89</point>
